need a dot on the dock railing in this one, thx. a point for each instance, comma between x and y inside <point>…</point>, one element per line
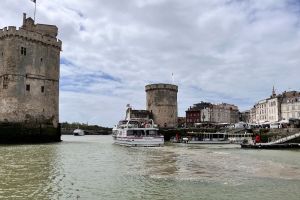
<point>285,139</point>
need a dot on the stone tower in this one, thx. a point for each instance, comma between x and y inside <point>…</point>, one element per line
<point>162,103</point>
<point>29,73</point>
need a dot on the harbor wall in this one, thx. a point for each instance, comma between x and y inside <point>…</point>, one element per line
<point>20,133</point>
<point>267,135</point>
<point>29,83</point>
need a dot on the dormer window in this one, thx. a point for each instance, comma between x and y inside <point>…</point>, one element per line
<point>23,51</point>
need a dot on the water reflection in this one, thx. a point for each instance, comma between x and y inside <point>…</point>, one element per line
<point>28,171</point>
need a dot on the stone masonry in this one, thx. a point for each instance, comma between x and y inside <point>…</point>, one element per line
<point>29,73</point>
<point>162,103</point>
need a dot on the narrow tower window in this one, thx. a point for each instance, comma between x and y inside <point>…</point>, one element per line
<point>23,51</point>
<point>5,82</point>
<point>27,87</point>
<point>42,89</point>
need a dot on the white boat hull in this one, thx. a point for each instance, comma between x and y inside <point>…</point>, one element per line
<point>78,132</point>
<point>140,141</point>
<point>209,142</point>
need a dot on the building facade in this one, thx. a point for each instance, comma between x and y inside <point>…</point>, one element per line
<point>245,116</point>
<point>276,108</point>
<point>225,113</point>
<point>290,107</point>
<point>198,113</point>
<point>206,112</point>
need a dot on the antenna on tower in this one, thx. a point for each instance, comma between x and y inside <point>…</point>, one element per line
<point>173,82</point>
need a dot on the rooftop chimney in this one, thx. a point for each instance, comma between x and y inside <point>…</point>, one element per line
<point>24,18</point>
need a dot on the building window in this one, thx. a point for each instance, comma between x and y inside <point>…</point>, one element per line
<point>41,60</point>
<point>23,51</point>
<point>42,89</point>
<point>27,87</point>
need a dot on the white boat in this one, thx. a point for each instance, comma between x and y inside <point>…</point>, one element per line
<point>203,138</point>
<point>78,132</point>
<point>137,133</point>
<point>239,138</point>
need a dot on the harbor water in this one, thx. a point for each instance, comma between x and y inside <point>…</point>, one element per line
<point>91,167</point>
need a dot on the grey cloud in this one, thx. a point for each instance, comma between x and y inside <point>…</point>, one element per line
<point>218,50</point>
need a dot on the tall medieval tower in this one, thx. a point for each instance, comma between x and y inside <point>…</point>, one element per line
<point>162,103</point>
<point>29,73</point>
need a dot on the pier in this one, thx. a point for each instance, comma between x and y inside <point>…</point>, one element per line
<point>288,142</point>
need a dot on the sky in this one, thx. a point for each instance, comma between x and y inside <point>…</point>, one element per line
<point>231,51</point>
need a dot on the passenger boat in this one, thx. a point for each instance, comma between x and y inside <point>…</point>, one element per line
<point>239,138</point>
<point>78,132</point>
<point>137,133</point>
<point>204,138</point>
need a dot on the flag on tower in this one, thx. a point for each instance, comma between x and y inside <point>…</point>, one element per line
<point>34,1</point>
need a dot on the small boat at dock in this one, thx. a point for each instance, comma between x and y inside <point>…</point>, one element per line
<point>78,132</point>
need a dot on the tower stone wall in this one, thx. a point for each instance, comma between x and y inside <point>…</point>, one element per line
<point>162,103</point>
<point>29,73</point>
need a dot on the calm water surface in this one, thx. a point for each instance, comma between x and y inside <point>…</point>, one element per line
<point>91,167</point>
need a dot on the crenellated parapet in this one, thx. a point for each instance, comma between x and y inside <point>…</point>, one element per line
<point>161,86</point>
<point>12,31</point>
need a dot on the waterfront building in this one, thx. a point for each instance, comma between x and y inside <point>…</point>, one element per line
<point>261,111</point>
<point>273,109</point>
<point>198,113</point>
<point>253,115</point>
<point>161,101</point>
<point>29,78</point>
<point>206,112</point>
<point>245,116</point>
<point>290,107</point>
<point>276,108</point>
<point>225,113</point>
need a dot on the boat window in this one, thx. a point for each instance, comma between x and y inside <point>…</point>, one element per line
<point>151,132</point>
<point>123,122</point>
<point>130,132</point>
<point>138,133</point>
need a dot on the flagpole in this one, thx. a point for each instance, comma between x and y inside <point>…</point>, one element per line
<point>34,11</point>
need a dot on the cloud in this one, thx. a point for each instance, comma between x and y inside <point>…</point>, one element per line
<point>218,50</point>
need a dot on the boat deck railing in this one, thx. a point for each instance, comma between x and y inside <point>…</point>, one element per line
<point>135,123</point>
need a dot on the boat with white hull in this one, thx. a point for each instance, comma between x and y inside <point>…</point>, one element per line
<point>78,132</point>
<point>203,138</point>
<point>136,133</point>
